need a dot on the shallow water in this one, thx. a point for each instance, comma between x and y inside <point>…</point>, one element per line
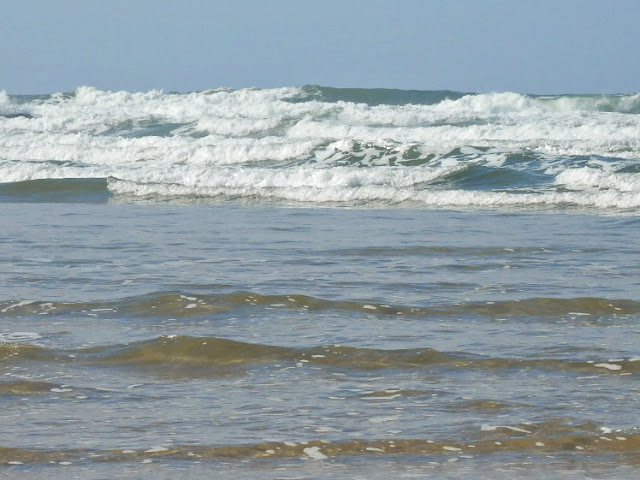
<point>170,341</point>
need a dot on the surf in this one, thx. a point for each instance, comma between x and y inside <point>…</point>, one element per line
<point>325,146</point>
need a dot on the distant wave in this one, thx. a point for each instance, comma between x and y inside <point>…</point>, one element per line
<point>623,103</point>
<point>317,145</point>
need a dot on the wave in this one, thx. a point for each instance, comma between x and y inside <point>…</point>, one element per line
<point>197,357</point>
<point>219,352</point>
<point>378,197</point>
<point>189,304</point>
<point>26,387</point>
<point>376,96</point>
<point>344,186</point>
<point>622,103</point>
<point>324,146</point>
<point>537,440</point>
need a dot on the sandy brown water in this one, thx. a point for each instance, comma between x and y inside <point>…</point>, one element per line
<point>176,341</point>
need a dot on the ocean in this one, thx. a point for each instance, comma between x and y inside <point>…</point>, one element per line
<point>314,282</point>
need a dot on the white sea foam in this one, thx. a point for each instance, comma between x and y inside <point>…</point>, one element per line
<point>451,449</point>
<point>266,126</point>
<point>591,178</point>
<point>265,144</point>
<point>609,366</point>
<point>490,428</point>
<point>314,453</point>
<point>23,303</point>
<point>157,449</point>
<point>270,189</point>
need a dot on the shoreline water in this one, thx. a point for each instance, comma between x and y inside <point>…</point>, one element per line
<point>197,329</point>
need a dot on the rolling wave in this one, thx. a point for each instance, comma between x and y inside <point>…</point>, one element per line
<point>535,439</point>
<point>188,304</point>
<point>194,357</point>
<point>185,305</point>
<point>622,103</point>
<point>323,146</point>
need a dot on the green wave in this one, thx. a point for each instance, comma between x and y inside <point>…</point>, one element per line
<point>177,304</point>
<point>201,356</point>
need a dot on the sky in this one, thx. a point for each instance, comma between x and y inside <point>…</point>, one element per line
<point>525,46</point>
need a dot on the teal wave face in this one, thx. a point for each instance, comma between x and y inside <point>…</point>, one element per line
<point>54,190</point>
<point>378,96</point>
<point>621,103</point>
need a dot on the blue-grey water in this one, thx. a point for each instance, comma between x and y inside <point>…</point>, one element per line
<point>319,283</point>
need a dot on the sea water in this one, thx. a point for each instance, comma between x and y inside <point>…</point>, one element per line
<point>314,282</point>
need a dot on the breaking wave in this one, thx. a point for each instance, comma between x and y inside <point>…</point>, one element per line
<point>323,146</point>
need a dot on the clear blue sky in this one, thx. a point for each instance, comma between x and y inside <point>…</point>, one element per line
<point>528,46</point>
